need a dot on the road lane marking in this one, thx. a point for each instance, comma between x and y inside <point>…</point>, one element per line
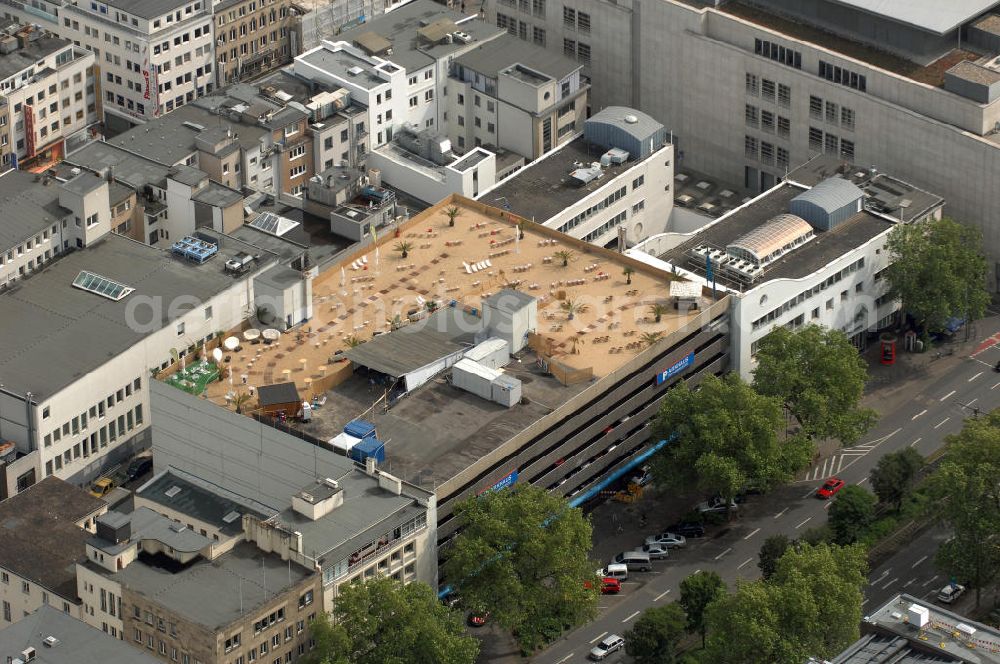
<point>918,562</point>
<point>840,463</point>
<point>598,637</point>
<point>565,659</point>
<point>929,581</point>
<point>811,492</point>
<point>803,523</point>
<point>697,570</point>
<point>995,386</point>
<point>752,534</point>
<point>941,422</point>
<point>947,395</point>
<point>974,377</point>
<point>630,617</point>
<point>894,580</point>
<point>909,582</point>
<point>745,563</point>
<point>724,553</point>
<point>862,480</point>
<point>918,414</point>
<point>884,574</point>
<point>864,602</point>
<point>783,511</point>
<point>661,595</point>
<point>827,504</point>
<point>973,401</point>
<point>916,441</point>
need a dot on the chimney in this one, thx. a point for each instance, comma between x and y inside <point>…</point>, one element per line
<point>370,465</point>
<point>316,501</point>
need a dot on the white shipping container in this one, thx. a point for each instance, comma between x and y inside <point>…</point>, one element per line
<point>473,377</point>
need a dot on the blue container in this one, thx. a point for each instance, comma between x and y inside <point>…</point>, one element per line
<point>360,429</point>
<point>369,447</point>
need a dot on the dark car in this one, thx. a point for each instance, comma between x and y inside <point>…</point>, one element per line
<point>688,529</point>
<point>139,467</point>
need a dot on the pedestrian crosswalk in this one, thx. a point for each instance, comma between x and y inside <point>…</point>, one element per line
<point>836,463</point>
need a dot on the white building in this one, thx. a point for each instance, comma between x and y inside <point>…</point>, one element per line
<point>80,341</point>
<point>49,96</point>
<point>811,250</point>
<point>749,93</point>
<point>614,178</point>
<point>152,55</point>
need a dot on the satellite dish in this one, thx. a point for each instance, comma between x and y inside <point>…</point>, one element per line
<point>631,119</point>
<point>217,354</point>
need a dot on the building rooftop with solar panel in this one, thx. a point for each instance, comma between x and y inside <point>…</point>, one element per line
<point>494,349</point>
<point>810,250</point>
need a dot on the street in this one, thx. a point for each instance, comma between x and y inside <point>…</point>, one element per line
<point>918,409</point>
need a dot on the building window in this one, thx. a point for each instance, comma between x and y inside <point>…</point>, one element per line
<point>583,22</point>
<point>784,127</point>
<point>538,36</point>
<point>751,116</point>
<point>767,89</point>
<point>781,159</point>
<point>832,112</point>
<point>847,150</point>
<point>583,53</point>
<point>766,153</point>
<point>831,144</point>
<point>767,121</point>
<point>847,118</point>
<point>750,147</point>
<point>843,76</point>
<point>815,107</point>
<point>778,53</point>
<point>569,48</point>
<point>752,84</point>
<point>569,17</point>
<point>815,138</point>
<point>784,95</point>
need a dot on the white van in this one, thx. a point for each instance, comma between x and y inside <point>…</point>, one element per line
<point>636,561</point>
<point>614,571</point>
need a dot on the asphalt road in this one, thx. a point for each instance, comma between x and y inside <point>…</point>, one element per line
<point>942,393</point>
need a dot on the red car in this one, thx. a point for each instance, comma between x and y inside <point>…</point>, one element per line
<point>830,488</point>
<point>609,586</point>
<point>478,619</point>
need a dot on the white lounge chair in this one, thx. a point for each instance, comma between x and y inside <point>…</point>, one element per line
<point>488,263</point>
<point>468,268</point>
<point>364,260</point>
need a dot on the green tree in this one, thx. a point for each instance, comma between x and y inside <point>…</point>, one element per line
<point>697,592</point>
<point>852,511</point>
<point>819,377</point>
<point>770,553</point>
<point>811,606</point>
<point>726,434</point>
<point>893,475</point>
<point>656,634</point>
<point>966,495</point>
<point>522,556</point>
<point>381,621</point>
<point>938,270</point>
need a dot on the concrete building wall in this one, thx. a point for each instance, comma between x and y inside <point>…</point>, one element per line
<point>27,256</point>
<point>20,596</point>
<point>253,38</point>
<point>92,587</point>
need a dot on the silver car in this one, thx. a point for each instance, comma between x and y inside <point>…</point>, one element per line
<point>610,644</point>
<point>656,551</point>
<point>669,540</point>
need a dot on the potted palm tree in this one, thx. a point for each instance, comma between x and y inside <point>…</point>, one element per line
<point>572,308</point>
<point>627,273</point>
<point>451,213</point>
<point>650,338</point>
<point>575,343</point>
<point>240,399</point>
<point>404,248</point>
<point>657,310</point>
<point>565,255</point>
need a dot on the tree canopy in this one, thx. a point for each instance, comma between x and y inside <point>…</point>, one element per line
<point>770,553</point>
<point>966,495</point>
<point>852,511</point>
<point>523,556</point>
<point>382,621</point>
<point>893,475</point>
<point>811,606</point>
<point>819,376</point>
<point>938,270</point>
<point>697,592</point>
<point>655,637</point>
<point>727,435</point>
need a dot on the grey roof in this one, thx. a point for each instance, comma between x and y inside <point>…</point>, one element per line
<point>211,593</point>
<point>201,500</point>
<point>400,27</point>
<point>931,15</point>
<point>118,192</point>
<point>614,116</point>
<point>188,175</point>
<point>830,195</point>
<point>414,346</point>
<point>128,167</point>
<point>39,538</point>
<point>150,525</point>
<point>37,207</point>
<point>84,183</point>
<point>76,641</point>
<point>268,395</point>
<point>970,71</point>
<point>22,58</point>
<point>510,300</point>
<point>885,649</point>
<point>73,332</point>
<point>147,8</point>
<point>496,55</point>
<point>219,195</point>
<point>339,62</point>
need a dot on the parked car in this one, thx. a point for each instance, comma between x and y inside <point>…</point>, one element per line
<point>688,529</point>
<point>656,551</point>
<point>669,540</point>
<point>615,571</point>
<point>478,619</point>
<point>609,585</point>
<point>950,593</point>
<point>610,644</point>
<point>830,488</point>
<point>636,561</point>
<point>644,477</point>
<point>717,506</point>
<point>139,467</point>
